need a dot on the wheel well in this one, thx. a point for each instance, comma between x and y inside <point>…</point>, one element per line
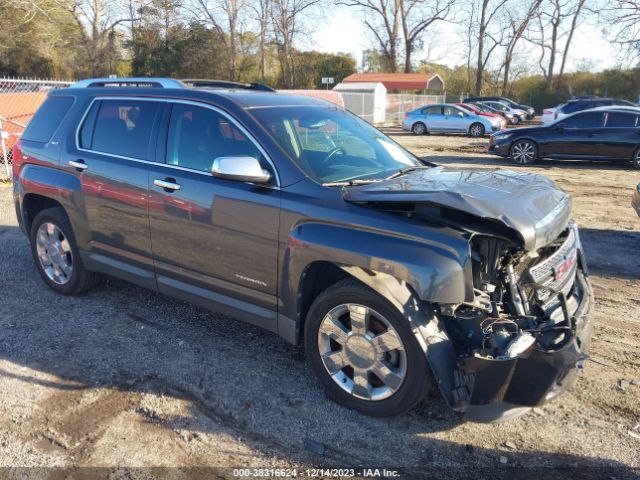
<point>32,204</point>
<point>316,278</point>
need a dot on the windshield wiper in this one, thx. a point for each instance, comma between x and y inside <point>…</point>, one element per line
<point>350,183</point>
<point>403,171</point>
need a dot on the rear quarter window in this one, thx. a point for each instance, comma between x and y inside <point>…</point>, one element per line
<point>47,119</point>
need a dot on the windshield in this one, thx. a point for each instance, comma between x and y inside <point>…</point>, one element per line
<point>331,145</point>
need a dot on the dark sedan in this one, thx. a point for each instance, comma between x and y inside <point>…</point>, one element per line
<point>604,134</point>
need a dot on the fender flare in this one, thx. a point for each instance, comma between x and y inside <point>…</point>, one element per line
<point>63,187</point>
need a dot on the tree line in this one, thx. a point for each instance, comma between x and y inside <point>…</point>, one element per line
<point>504,42</point>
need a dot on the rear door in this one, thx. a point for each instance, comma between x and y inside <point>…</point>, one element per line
<point>433,118</point>
<point>214,240</point>
<point>621,135</point>
<point>111,152</point>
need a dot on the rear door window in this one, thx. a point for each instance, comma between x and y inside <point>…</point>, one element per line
<point>621,120</point>
<point>120,127</point>
<point>47,119</point>
<point>585,120</point>
<point>432,111</point>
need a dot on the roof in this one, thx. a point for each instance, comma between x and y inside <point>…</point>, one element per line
<point>359,86</point>
<point>396,81</point>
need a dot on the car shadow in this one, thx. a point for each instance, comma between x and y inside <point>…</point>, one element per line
<point>612,253</point>
<point>234,377</point>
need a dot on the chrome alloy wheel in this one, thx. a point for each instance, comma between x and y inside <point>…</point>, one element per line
<point>362,352</point>
<point>54,253</point>
<point>523,153</point>
<point>636,159</point>
<point>419,128</point>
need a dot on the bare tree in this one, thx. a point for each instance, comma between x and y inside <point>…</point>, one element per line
<point>416,17</point>
<point>262,12</point>
<point>486,39</point>
<point>382,18</point>
<point>518,21</point>
<point>285,18</point>
<point>98,33</point>
<point>230,11</point>
<point>551,30</point>
<point>622,18</point>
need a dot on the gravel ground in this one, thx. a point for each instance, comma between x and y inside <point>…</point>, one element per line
<point>123,377</point>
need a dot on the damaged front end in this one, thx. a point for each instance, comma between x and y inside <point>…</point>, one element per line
<point>522,333</point>
<point>526,334</point>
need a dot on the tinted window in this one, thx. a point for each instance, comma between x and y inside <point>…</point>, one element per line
<point>121,127</point>
<point>585,120</point>
<point>617,119</point>
<point>197,136</point>
<point>432,111</point>
<point>47,119</point>
<point>572,107</point>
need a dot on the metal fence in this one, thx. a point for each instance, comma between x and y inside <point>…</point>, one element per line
<point>19,99</point>
<point>387,109</point>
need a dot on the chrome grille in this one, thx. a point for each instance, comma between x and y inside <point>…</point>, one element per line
<point>543,272</point>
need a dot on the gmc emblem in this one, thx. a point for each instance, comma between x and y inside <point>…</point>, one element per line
<point>564,267</point>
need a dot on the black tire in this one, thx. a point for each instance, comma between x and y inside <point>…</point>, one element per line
<point>635,160</point>
<point>516,120</point>
<point>419,128</point>
<point>80,279</point>
<point>417,379</point>
<point>523,152</point>
<point>476,130</point>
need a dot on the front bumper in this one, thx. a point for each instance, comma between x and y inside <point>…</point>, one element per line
<point>499,148</point>
<point>503,389</point>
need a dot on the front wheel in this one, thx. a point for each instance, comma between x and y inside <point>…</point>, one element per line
<point>523,152</point>
<point>476,130</point>
<point>361,349</point>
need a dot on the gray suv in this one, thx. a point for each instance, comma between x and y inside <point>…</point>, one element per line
<point>294,215</point>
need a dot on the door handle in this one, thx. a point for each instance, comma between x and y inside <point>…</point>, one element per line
<point>78,164</point>
<point>168,184</point>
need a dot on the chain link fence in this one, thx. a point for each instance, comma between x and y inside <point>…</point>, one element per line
<point>19,100</point>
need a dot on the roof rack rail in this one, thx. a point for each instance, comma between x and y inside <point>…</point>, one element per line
<point>140,82</point>
<point>201,82</point>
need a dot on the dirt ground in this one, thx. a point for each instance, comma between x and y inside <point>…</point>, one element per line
<point>122,377</point>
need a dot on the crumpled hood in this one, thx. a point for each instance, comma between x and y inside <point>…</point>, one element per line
<point>528,203</point>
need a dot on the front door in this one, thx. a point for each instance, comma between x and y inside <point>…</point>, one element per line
<point>111,155</point>
<point>214,241</point>
<point>577,136</point>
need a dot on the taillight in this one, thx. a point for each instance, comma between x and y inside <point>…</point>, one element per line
<point>17,156</point>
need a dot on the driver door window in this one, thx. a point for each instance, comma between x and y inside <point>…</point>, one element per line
<point>197,136</point>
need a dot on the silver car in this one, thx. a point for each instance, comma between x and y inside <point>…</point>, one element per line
<point>515,115</point>
<point>447,118</point>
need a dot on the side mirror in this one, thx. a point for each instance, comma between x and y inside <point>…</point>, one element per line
<point>560,127</point>
<point>461,114</point>
<point>241,169</point>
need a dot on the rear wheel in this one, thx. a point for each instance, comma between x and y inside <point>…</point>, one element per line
<point>56,255</point>
<point>635,161</point>
<point>476,130</point>
<point>419,128</point>
<point>362,350</point>
<point>515,120</point>
<point>523,152</point>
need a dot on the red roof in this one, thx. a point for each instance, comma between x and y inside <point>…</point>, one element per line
<point>394,81</point>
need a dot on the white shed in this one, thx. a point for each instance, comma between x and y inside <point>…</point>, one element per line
<point>367,100</point>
